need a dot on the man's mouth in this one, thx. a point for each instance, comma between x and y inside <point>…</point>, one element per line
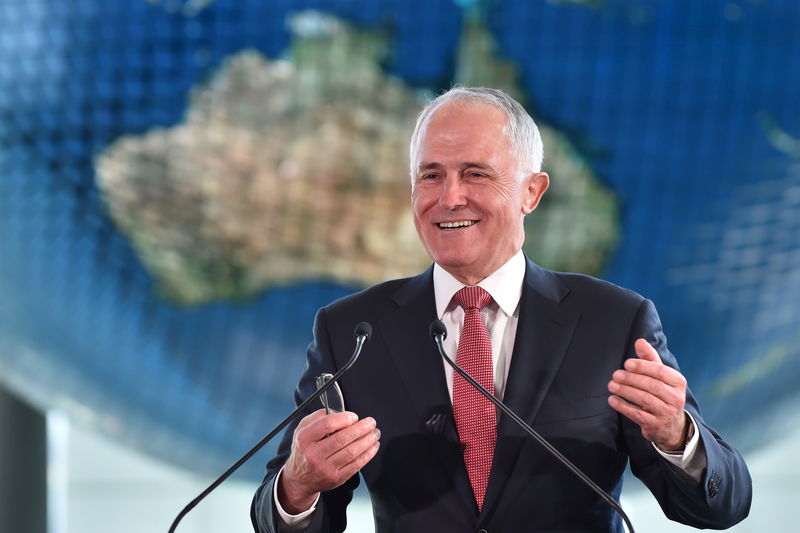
<point>457,224</point>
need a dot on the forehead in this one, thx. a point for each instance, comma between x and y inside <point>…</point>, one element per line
<point>463,129</point>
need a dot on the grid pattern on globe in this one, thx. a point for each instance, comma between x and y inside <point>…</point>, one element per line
<point>688,117</point>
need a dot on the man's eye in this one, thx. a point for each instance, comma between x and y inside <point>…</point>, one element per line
<point>430,176</point>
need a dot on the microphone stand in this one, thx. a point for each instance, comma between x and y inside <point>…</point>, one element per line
<point>362,333</point>
<point>439,333</point>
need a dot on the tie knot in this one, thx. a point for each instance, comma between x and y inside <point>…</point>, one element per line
<point>472,298</point>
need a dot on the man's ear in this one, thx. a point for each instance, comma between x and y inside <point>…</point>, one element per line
<point>535,185</point>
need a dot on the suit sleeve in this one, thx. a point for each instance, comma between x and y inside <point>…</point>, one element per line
<point>330,513</point>
<point>723,495</point>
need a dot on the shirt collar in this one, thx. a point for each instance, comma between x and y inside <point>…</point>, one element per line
<point>504,285</point>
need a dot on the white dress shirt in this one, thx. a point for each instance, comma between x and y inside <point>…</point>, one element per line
<point>501,317</point>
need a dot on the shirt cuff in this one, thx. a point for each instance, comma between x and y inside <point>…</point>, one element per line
<point>291,522</point>
<point>692,460</point>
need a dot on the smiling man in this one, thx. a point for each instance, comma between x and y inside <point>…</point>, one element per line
<point>470,191</point>
<point>583,361</point>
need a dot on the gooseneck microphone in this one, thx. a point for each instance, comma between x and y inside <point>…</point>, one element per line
<point>362,334</point>
<point>439,333</point>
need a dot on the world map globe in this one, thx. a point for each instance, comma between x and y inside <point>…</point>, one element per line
<point>185,183</point>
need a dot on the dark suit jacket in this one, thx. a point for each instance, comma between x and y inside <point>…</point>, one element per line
<point>573,332</point>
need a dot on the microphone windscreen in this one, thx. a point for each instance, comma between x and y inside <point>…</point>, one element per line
<point>363,329</point>
<point>438,328</point>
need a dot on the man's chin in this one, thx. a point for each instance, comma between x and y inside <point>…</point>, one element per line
<point>447,262</point>
<point>458,267</point>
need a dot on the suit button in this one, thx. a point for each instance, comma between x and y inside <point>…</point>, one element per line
<point>482,531</point>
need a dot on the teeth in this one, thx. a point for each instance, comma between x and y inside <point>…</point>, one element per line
<point>459,224</point>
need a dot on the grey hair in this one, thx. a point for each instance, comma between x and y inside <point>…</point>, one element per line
<point>522,132</point>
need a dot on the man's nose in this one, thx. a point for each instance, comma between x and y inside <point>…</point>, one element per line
<point>453,193</point>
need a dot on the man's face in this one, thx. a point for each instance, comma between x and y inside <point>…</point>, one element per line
<point>468,195</point>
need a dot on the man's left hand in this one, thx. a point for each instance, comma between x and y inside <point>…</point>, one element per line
<point>652,395</point>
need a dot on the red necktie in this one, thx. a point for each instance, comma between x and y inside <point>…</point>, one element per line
<point>475,415</point>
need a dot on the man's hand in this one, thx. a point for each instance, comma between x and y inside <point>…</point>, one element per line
<point>655,396</point>
<point>326,451</point>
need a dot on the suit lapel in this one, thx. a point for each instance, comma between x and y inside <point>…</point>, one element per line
<point>421,371</point>
<point>413,354</point>
<point>543,334</point>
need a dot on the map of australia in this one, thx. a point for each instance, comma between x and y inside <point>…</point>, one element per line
<point>293,170</point>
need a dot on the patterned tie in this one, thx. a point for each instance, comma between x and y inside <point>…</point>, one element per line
<point>475,415</point>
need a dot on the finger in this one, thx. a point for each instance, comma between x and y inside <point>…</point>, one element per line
<point>335,442</point>
<point>668,392</point>
<point>309,419</point>
<point>344,456</point>
<point>350,469</point>
<point>641,398</point>
<point>658,371</point>
<point>636,414</point>
<point>644,350</point>
<point>321,425</point>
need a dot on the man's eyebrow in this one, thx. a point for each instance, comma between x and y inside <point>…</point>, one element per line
<point>466,164</point>
<point>470,164</point>
<point>429,166</point>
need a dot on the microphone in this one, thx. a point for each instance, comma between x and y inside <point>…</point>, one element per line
<point>439,333</point>
<point>362,333</point>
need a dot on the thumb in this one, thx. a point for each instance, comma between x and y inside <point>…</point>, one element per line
<point>645,351</point>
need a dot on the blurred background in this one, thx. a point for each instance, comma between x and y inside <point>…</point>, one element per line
<point>183,184</point>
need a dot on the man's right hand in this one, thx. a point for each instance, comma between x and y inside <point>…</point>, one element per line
<point>326,451</point>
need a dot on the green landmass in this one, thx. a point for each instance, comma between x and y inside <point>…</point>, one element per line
<point>296,169</point>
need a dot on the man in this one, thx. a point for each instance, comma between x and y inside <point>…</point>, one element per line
<point>551,345</point>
